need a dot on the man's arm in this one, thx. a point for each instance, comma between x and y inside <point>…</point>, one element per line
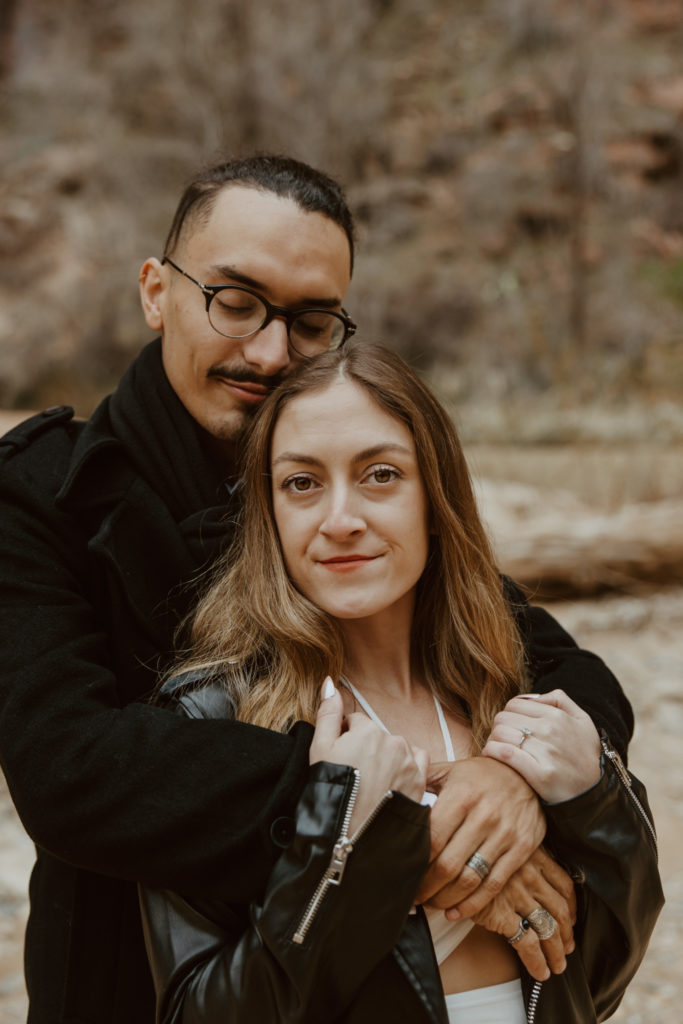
<point>131,791</point>
<point>555,662</point>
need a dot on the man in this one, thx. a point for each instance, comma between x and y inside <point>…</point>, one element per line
<point>106,527</point>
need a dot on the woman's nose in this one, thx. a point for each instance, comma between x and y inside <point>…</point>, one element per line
<point>343,517</point>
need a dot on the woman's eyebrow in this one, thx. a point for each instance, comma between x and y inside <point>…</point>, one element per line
<point>380,449</point>
<point>308,460</point>
<point>368,453</point>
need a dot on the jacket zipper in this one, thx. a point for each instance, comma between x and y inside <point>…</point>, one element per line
<point>625,778</point>
<point>622,774</point>
<point>533,1002</point>
<point>340,854</point>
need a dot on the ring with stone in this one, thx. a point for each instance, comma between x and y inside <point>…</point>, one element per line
<point>526,733</point>
<point>524,926</point>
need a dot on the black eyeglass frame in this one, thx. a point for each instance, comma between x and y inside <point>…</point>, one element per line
<point>288,315</point>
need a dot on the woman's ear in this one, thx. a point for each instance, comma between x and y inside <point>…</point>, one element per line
<point>152,287</point>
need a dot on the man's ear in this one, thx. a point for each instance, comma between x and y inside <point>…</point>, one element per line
<point>152,286</point>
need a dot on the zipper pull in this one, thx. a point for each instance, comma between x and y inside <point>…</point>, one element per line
<point>340,855</point>
<point>625,778</point>
<point>618,764</point>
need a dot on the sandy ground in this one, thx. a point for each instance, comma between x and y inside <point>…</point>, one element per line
<point>642,640</point>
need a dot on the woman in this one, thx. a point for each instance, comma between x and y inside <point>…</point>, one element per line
<point>362,558</point>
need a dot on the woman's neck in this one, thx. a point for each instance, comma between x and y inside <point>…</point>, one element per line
<point>377,656</point>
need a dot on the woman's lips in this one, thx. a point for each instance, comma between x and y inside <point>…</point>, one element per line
<point>346,563</point>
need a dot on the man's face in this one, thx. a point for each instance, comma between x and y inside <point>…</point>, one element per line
<point>291,257</point>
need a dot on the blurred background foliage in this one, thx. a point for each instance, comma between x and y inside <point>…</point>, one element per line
<point>515,166</point>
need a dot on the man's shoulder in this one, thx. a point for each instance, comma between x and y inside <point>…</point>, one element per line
<point>42,436</point>
<point>49,453</point>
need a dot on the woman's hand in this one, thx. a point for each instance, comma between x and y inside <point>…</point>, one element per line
<point>540,883</point>
<point>385,762</point>
<point>550,741</point>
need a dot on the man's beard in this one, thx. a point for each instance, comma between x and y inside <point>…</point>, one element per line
<point>240,420</point>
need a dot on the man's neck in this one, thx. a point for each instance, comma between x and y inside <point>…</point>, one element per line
<point>222,454</point>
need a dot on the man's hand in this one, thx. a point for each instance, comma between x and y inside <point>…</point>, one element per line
<point>479,810</point>
<point>541,882</point>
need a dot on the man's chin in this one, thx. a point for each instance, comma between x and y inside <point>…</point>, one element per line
<point>231,428</point>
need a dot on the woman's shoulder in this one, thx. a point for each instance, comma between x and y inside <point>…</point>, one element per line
<point>197,694</point>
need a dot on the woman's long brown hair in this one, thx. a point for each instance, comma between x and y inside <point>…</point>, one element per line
<point>272,647</point>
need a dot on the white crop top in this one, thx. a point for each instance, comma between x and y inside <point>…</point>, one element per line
<point>446,935</point>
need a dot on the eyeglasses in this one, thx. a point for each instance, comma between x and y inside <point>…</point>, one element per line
<point>237,312</point>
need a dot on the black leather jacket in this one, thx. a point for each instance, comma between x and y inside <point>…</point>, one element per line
<point>332,940</point>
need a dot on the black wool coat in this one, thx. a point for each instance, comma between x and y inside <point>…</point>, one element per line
<point>104,528</point>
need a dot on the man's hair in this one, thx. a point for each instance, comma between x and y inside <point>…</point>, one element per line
<point>313,191</point>
<point>271,646</point>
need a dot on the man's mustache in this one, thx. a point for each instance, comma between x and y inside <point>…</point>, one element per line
<point>241,375</point>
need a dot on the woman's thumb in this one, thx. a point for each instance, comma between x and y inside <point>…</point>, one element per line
<point>328,724</point>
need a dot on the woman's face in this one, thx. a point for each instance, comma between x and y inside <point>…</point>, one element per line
<point>350,506</point>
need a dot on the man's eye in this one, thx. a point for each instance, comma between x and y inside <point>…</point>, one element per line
<point>235,306</point>
<point>313,325</point>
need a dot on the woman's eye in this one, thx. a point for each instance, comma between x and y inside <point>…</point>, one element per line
<point>300,484</point>
<point>383,474</point>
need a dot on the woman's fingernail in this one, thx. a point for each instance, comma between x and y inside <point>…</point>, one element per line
<point>329,688</point>
<point>531,696</point>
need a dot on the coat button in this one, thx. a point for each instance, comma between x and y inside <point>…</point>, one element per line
<point>282,831</point>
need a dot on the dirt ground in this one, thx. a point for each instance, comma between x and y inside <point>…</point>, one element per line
<point>642,640</point>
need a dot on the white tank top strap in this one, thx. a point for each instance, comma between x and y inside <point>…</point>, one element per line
<point>363,703</point>
<point>445,733</point>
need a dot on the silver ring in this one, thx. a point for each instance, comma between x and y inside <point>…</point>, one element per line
<point>479,864</point>
<point>524,926</point>
<point>526,733</point>
<point>542,922</point>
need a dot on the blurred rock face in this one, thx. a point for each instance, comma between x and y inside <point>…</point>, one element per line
<point>515,168</point>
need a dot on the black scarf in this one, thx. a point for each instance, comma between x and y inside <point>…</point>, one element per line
<point>167,447</point>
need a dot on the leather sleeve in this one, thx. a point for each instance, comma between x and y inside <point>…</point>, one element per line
<point>604,839</point>
<point>230,964</point>
<point>555,661</point>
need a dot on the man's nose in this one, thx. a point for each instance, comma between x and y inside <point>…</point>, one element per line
<point>268,348</point>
